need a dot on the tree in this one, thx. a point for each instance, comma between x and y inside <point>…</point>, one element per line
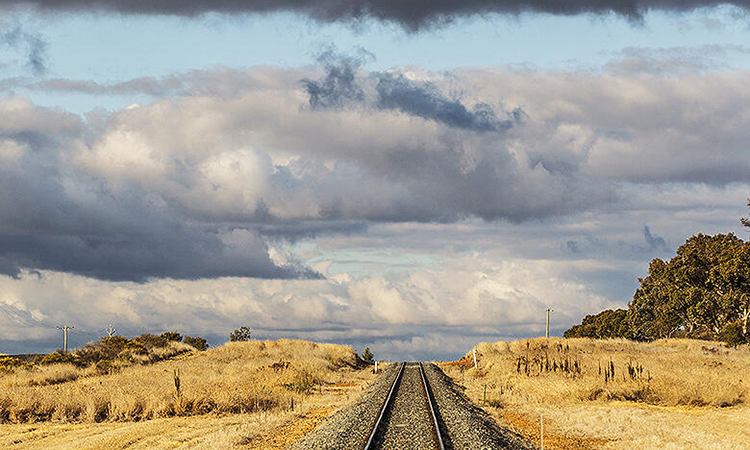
<point>367,356</point>
<point>745,221</point>
<point>698,293</point>
<point>240,334</point>
<point>607,324</point>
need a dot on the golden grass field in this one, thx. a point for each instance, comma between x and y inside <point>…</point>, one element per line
<point>678,394</point>
<point>256,394</point>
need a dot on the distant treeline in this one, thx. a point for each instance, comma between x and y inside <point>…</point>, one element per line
<point>703,292</point>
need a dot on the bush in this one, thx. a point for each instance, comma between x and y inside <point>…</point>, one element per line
<point>109,348</point>
<point>732,335</point>
<point>240,334</point>
<point>104,366</point>
<point>198,342</point>
<point>149,341</point>
<point>172,336</point>
<point>8,364</point>
<point>60,357</point>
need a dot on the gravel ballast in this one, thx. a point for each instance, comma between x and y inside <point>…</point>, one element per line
<point>350,427</point>
<point>463,425</point>
<point>408,423</point>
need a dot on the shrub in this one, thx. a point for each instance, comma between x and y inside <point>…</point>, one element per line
<point>240,334</point>
<point>198,342</point>
<point>732,334</point>
<point>172,336</point>
<point>7,364</point>
<point>109,348</point>
<point>60,357</point>
<point>149,341</point>
<point>104,366</point>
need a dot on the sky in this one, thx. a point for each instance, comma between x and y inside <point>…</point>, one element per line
<point>416,177</point>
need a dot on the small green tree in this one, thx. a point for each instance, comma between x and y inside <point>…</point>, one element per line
<point>240,334</point>
<point>198,342</point>
<point>367,356</point>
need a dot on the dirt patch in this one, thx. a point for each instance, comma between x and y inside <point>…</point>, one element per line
<point>290,433</point>
<point>343,384</point>
<point>529,428</point>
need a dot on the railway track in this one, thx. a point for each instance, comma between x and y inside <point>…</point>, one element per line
<point>407,418</point>
<point>398,414</point>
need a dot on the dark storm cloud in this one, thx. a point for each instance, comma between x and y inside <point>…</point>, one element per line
<point>422,99</point>
<point>298,230</point>
<point>412,15</point>
<point>52,219</point>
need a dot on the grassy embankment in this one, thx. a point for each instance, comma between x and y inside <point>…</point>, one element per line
<point>668,394</point>
<point>242,394</point>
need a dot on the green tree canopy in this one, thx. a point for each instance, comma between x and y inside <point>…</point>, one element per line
<point>699,293</point>
<point>607,324</point>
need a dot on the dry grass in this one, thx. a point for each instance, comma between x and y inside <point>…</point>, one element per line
<point>666,394</point>
<point>262,430</point>
<point>238,377</point>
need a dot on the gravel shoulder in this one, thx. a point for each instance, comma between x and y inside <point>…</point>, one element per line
<point>350,427</point>
<point>464,425</point>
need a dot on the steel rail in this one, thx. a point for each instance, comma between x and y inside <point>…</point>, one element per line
<point>432,408</point>
<point>371,440</point>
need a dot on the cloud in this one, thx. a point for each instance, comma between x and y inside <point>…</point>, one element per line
<point>343,85</point>
<point>470,296</point>
<point>56,217</point>
<point>459,283</point>
<point>339,85</point>
<point>207,181</point>
<point>674,61</point>
<point>34,44</point>
<point>424,100</point>
<point>145,85</point>
<point>411,15</point>
<point>653,241</point>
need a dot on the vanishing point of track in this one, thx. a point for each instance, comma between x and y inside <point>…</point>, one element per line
<point>407,417</point>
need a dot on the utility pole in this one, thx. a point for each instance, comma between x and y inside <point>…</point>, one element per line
<point>548,311</point>
<point>65,336</point>
<point>111,330</point>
